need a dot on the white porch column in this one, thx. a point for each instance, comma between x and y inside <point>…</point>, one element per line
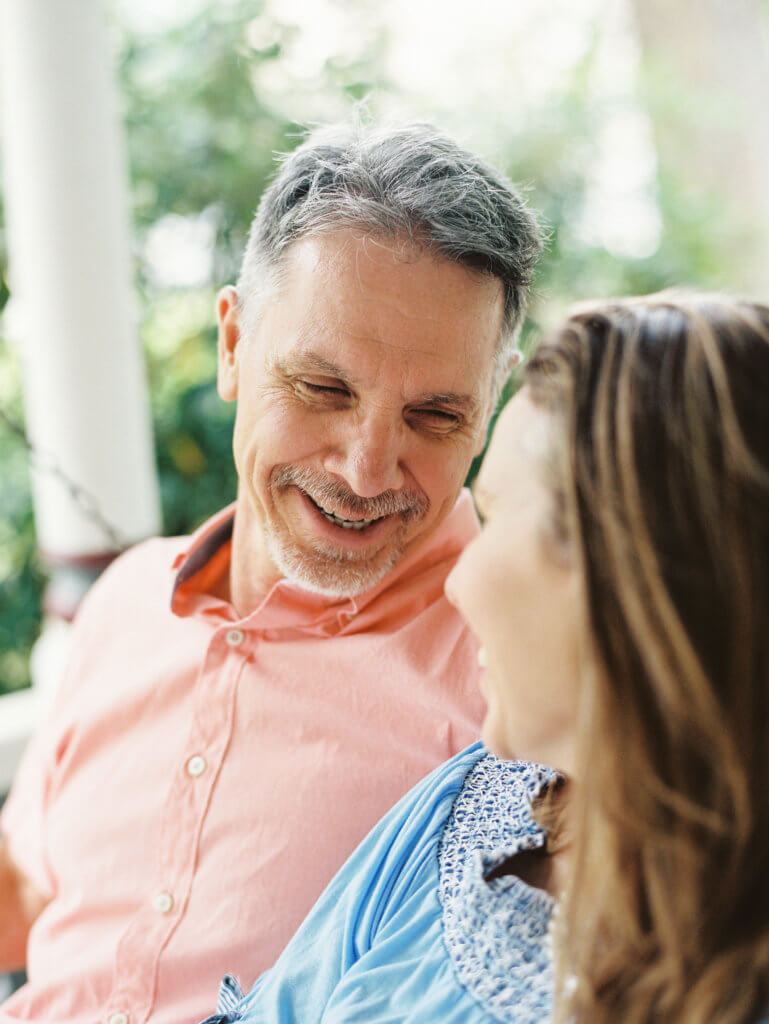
<point>67,215</point>
<point>72,306</point>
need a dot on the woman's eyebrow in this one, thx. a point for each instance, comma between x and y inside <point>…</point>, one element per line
<point>481,498</point>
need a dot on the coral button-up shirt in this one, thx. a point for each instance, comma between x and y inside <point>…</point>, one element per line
<point>202,777</point>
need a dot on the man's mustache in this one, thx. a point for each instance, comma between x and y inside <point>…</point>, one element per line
<point>331,493</point>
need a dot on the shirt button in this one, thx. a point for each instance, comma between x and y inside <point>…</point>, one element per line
<point>163,902</point>
<point>118,1018</point>
<point>196,765</point>
<point>235,637</point>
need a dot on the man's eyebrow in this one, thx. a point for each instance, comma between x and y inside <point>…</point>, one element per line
<point>311,361</point>
<point>462,403</point>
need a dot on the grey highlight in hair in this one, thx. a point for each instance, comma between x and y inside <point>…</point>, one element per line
<point>407,181</point>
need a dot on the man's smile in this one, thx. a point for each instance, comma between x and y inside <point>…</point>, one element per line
<point>322,526</point>
<point>345,523</point>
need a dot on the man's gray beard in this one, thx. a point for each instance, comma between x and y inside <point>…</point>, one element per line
<point>338,573</point>
<point>326,573</point>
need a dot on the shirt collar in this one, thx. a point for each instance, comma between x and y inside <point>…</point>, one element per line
<point>207,556</point>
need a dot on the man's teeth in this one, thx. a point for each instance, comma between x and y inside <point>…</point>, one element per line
<point>346,524</point>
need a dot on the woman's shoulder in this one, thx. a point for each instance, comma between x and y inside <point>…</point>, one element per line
<point>430,802</point>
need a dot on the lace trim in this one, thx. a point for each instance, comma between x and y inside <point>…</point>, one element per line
<point>496,931</point>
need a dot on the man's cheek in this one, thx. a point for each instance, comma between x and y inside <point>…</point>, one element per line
<point>291,434</point>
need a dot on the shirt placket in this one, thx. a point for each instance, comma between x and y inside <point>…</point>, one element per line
<point>138,953</point>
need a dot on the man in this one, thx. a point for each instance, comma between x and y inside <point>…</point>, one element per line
<point>209,765</point>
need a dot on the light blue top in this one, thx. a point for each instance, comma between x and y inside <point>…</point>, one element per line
<point>410,931</point>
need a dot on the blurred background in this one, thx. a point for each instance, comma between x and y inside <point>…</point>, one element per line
<point>640,129</point>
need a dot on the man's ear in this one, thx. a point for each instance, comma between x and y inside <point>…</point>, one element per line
<point>229,337</point>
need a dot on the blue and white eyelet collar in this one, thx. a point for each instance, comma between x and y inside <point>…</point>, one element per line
<point>496,932</point>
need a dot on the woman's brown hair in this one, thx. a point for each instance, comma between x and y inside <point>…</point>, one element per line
<point>662,407</point>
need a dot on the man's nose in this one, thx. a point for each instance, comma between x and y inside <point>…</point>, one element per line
<point>369,457</point>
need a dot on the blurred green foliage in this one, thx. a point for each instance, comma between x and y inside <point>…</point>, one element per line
<point>201,138</point>
<point>21,577</point>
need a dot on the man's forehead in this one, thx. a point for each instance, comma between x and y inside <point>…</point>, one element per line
<point>343,249</point>
<point>362,262</point>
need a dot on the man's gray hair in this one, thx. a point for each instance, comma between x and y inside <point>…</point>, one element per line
<point>407,181</point>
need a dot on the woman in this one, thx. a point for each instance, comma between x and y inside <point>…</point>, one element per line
<point>649,422</point>
<point>620,589</point>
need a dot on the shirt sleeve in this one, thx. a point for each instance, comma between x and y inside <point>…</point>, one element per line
<point>23,814</point>
<point>357,904</point>
<point>22,821</point>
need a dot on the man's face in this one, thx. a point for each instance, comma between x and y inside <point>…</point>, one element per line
<point>363,393</point>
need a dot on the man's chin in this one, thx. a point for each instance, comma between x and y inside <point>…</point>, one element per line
<point>327,573</point>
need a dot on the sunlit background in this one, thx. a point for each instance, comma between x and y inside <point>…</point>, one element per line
<point>640,129</point>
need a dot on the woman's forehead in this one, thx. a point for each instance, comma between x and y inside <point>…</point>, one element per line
<point>521,441</point>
